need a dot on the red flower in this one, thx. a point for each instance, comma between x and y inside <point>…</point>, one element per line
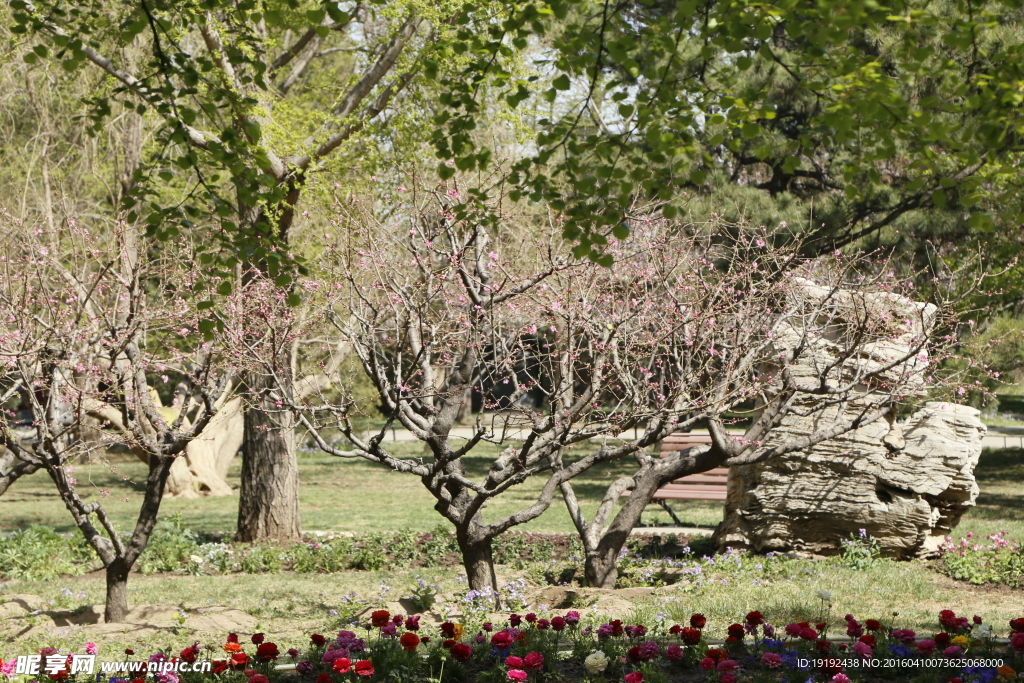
<point>717,654</point>
<point>266,652</point>
<point>502,640</point>
<point>259,678</point>
<point>318,640</point>
<point>448,644</point>
<point>943,639</point>
<point>868,640</point>
<point>323,678</point>
<point>342,665</point>
<point>138,680</point>
<point>533,661</point>
<point>873,624</point>
<point>514,620</point>
<point>823,645</point>
<point>412,623</point>
<point>257,638</point>
<point>635,677</point>
<point>462,652</point>
<point>820,625</point>
<point>1017,625</point>
<point>232,637</point>
<point>707,664</point>
<point>558,623</point>
<point>219,666</point>
<point>530,618</point>
<point>409,641</point>
<point>448,629</point>
<point>727,666</point>
<point>755,618</point>
<point>676,628</point>
<point>543,624</point>
<point>129,651</point>
<point>955,680</point>
<point>514,662</point>
<point>690,636</point>
<point>616,625</point>
<point>189,654</point>
<point>808,633</point>
<point>736,631</point>
<point>364,668</point>
<point>239,660</point>
<point>727,678</point>
<point>698,621</point>
<point>947,618</point>
<point>1017,641</point>
<point>633,654</point>
<point>380,618</point>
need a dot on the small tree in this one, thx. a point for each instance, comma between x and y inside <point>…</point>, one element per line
<point>82,327</point>
<point>821,342</point>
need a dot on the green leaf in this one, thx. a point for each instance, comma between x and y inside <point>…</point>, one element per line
<point>939,198</point>
<point>283,280</point>
<point>561,83</point>
<point>444,171</point>
<point>293,300</point>
<point>621,231</point>
<point>203,305</point>
<point>225,287</point>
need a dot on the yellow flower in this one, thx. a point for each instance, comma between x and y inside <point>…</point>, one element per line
<point>962,641</point>
<point>1006,673</point>
<point>459,630</point>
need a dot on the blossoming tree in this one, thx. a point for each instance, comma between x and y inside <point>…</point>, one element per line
<point>84,322</point>
<point>565,354</point>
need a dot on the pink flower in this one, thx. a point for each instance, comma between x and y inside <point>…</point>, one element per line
<point>863,649</point>
<point>517,675</point>
<point>635,677</point>
<point>840,678</point>
<point>707,664</point>
<point>673,653</point>
<point>793,630</point>
<point>90,648</point>
<point>771,660</point>
<point>926,646</point>
<point>953,651</point>
<point>533,661</point>
<point>514,662</point>
<point>727,666</point>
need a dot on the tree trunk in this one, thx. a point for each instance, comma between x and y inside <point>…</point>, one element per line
<point>268,501</point>
<point>478,559</point>
<point>117,591</point>
<point>600,568</point>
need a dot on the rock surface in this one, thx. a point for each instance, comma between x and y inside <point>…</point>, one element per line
<point>906,485</point>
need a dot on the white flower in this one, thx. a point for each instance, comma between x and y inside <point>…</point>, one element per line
<point>196,559</point>
<point>825,595</point>
<point>596,662</point>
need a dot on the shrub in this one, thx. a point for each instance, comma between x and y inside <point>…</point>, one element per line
<point>1002,561</point>
<point>38,553</point>
<point>860,551</point>
<point>171,548</point>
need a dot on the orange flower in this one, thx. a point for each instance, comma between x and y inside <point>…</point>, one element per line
<point>232,647</point>
<point>1006,672</point>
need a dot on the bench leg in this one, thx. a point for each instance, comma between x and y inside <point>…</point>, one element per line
<point>670,511</point>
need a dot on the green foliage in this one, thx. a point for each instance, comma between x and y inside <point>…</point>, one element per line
<point>1002,561</point>
<point>171,548</point>
<point>326,556</point>
<point>441,543</point>
<point>860,552</point>
<point>259,558</point>
<point>873,110</point>
<point>38,553</point>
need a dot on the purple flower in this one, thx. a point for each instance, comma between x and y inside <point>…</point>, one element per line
<point>572,617</point>
<point>305,667</point>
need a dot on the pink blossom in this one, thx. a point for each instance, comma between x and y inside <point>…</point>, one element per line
<point>90,648</point>
<point>926,646</point>
<point>863,649</point>
<point>517,675</point>
<point>840,678</point>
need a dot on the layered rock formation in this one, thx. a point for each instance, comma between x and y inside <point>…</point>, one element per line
<point>906,485</point>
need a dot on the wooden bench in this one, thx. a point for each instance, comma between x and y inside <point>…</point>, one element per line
<point>710,485</point>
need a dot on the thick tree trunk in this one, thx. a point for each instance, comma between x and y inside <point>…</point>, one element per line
<point>268,501</point>
<point>117,591</point>
<point>478,559</point>
<point>601,568</point>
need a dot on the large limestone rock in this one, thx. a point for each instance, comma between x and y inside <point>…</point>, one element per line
<point>907,485</point>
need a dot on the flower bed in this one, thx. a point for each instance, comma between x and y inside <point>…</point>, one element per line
<point>563,648</point>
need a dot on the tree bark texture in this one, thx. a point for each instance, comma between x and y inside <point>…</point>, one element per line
<point>478,559</point>
<point>116,609</point>
<point>268,505</point>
